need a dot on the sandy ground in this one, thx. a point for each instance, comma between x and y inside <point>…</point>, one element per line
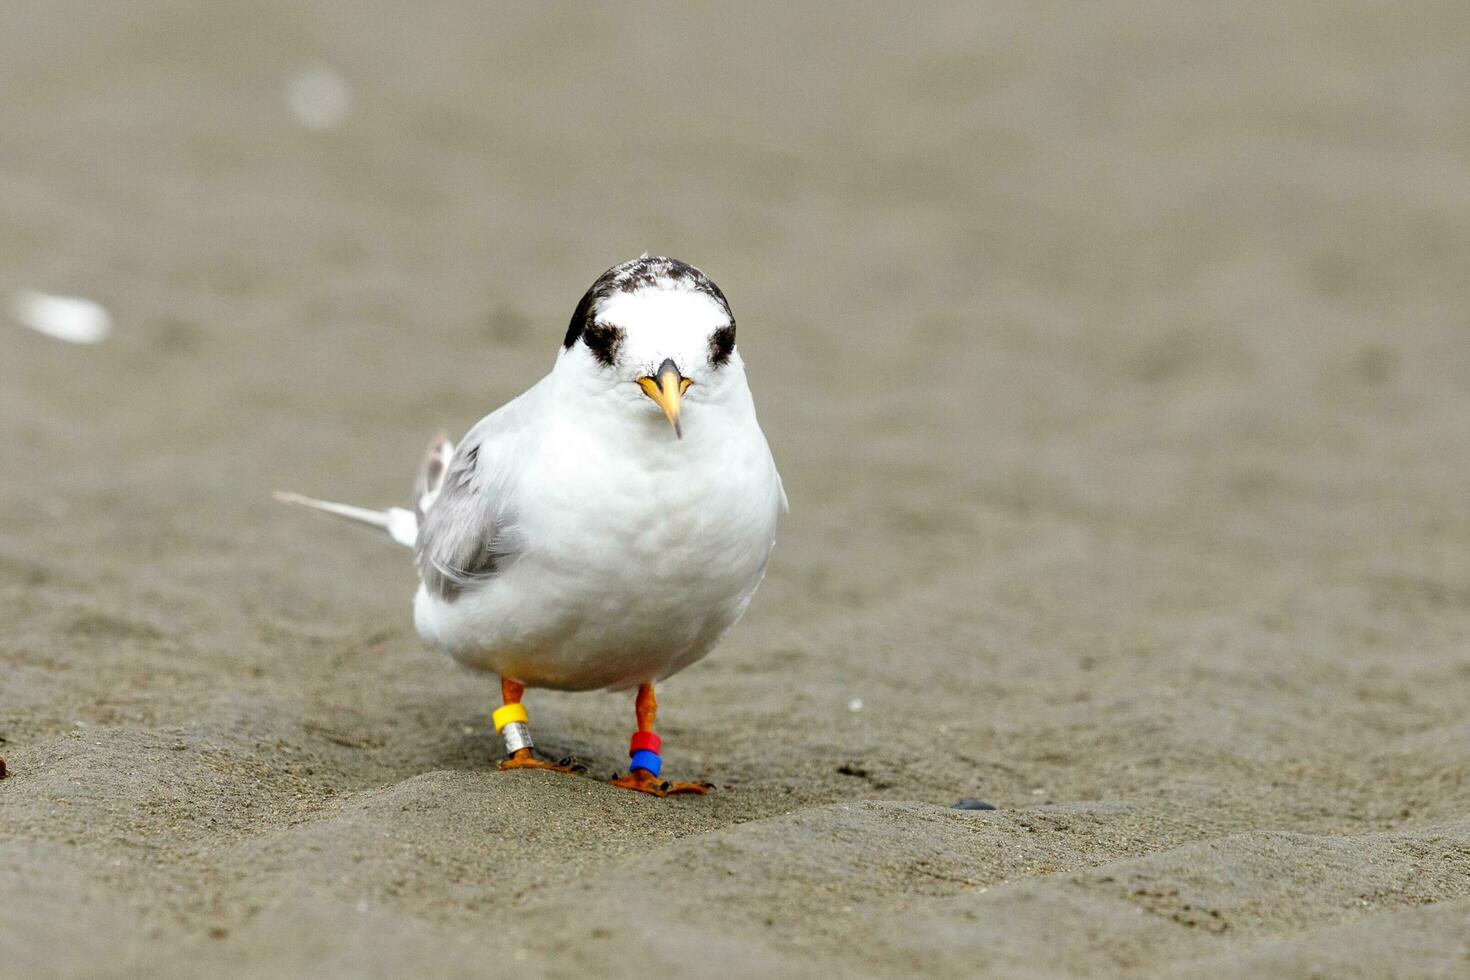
<point>1117,359</point>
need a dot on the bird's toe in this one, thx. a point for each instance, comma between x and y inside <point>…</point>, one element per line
<point>523,759</point>
<point>642,781</point>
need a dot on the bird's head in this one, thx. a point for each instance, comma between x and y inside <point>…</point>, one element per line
<point>655,325</point>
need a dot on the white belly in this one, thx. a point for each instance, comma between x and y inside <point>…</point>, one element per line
<point>637,560</point>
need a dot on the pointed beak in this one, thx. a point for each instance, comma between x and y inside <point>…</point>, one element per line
<point>666,387</point>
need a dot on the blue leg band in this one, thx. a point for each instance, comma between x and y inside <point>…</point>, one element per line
<point>644,759</point>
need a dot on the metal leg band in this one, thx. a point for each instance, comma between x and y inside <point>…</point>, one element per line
<point>517,736</point>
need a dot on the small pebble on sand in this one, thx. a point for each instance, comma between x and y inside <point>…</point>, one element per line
<point>69,318</point>
<point>319,97</point>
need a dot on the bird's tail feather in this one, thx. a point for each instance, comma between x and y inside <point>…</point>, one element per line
<point>401,524</point>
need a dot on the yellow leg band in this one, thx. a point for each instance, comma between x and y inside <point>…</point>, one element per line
<point>505,714</point>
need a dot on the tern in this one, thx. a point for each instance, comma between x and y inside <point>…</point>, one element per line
<point>606,528</point>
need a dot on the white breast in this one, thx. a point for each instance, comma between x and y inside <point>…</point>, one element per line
<point>641,549</point>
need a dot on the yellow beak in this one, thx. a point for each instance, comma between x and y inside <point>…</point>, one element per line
<point>667,388</point>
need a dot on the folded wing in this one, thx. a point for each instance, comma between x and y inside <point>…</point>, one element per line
<point>467,528</point>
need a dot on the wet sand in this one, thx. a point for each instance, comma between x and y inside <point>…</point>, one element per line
<point>1117,361</point>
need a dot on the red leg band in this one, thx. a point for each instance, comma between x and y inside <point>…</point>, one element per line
<point>644,742</point>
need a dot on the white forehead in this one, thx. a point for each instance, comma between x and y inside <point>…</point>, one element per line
<point>664,314</point>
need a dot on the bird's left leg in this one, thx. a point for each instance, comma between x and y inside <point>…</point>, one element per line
<point>644,763</point>
<point>512,723</point>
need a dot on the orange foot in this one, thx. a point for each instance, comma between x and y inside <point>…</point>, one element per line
<point>643,781</point>
<point>524,759</point>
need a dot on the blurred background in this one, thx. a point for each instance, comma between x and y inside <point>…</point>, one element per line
<point>1116,357</point>
<point>1129,255</point>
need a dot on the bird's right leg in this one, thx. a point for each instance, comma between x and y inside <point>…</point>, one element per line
<point>644,764</point>
<point>513,725</point>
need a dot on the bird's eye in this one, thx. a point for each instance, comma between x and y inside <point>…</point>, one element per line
<point>721,344</point>
<point>603,341</point>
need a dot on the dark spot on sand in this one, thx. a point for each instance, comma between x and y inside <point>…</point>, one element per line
<point>103,626</point>
<point>178,336</point>
<point>861,772</point>
<point>1377,365</point>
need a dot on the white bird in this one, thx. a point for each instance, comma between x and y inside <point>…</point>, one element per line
<point>607,527</point>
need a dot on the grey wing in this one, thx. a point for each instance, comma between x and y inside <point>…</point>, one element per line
<point>468,533</point>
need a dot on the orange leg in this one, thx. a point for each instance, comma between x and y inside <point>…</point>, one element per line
<point>642,780</point>
<point>517,734</point>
